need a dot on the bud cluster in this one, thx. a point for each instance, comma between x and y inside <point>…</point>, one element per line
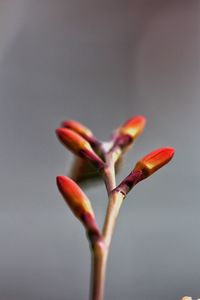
<point>96,159</point>
<point>80,140</point>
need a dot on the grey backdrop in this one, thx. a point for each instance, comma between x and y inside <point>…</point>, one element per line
<point>99,62</point>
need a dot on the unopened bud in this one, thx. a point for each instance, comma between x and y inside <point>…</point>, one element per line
<point>145,167</point>
<point>76,199</point>
<point>78,145</point>
<point>126,135</point>
<point>154,161</point>
<point>78,128</point>
<point>133,127</point>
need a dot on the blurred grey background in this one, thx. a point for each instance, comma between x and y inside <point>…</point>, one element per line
<point>99,62</point>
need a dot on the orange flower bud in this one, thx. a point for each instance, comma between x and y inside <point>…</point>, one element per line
<point>72,140</point>
<point>126,134</point>
<point>78,128</point>
<point>78,145</point>
<point>133,127</point>
<point>145,167</point>
<point>74,197</point>
<point>154,161</point>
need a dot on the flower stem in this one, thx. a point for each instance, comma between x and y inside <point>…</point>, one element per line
<point>115,202</point>
<point>99,260</point>
<point>100,247</point>
<point>109,175</point>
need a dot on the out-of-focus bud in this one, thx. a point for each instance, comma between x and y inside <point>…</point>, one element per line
<point>186,298</point>
<point>83,172</point>
<point>78,145</point>
<point>76,199</point>
<point>154,161</point>
<point>78,128</point>
<point>133,127</point>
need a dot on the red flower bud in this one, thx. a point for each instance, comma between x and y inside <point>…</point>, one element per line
<point>145,167</point>
<point>126,134</point>
<point>133,127</point>
<point>78,145</point>
<point>78,128</point>
<point>75,197</point>
<point>154,161</point>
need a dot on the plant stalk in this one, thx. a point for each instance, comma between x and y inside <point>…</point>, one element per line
<point>101,247</point>
<point>98,272</point>
<point>115,202</point>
